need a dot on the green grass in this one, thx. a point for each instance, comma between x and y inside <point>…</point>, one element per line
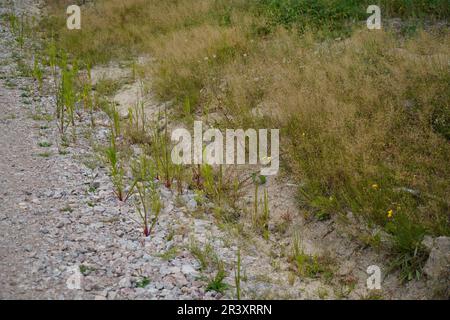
<point>311,266</point>
<point>216,283</point>
<point>85,270</point>
<point>143,282</point>
<point>410,254</point>
<point>206,256</point>
<point>42,117</point>
<point>335,17</point>
<point>44,144</point>
<point>237,275</point>
<point>45,154</point>
<point>169,254</point>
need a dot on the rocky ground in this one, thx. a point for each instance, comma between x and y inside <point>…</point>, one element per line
<point>64,234</point>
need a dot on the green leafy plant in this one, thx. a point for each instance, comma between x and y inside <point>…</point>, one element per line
<point>143,282</point>
<point>45,144</point>
<point>217,284</point>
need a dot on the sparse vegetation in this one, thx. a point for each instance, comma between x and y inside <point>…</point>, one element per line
<point>364,116</point>
<point>307,265</point>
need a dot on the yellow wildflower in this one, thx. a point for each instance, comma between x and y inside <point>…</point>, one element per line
<point>375,186</point>
<point>390,213</point>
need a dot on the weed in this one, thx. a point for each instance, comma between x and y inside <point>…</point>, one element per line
<point>161,153</point>
<point>265,216</point>
<point>322,293</point>
<point>45,154</point>
<point>261,220</point>
<point>345,287</point>
<point>10,84</point>
<point>44,144</point>
<point>170,254</point>
<point>206,256</point>
<point>66,95</point>
<point>136,130</point>
<point>117,171</point>
<point>115,121</point>
<point>149,203</point>
<point>255,204</point>
<point>216,284</point>
<point>42,117</point>
<point>38,73</point>
<point>310,266</point>
<point>237,275</point>
<point>67,208</point>
<point>87,96</point>
<point>85,270</point>
<point>143,282</point>
<point>410,254</point>
<point>373,295</point>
